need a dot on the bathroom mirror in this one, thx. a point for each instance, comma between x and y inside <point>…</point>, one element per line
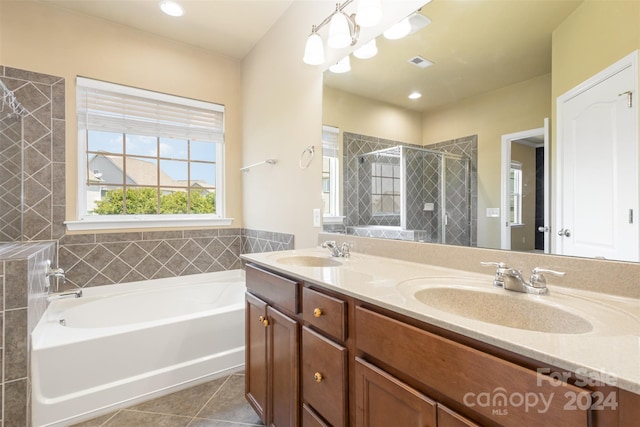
<point>484,69</point>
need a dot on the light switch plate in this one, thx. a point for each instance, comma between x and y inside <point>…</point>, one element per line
<point>493,212</point>
<point>316,217</point>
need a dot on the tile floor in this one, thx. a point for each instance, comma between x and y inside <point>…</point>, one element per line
<point>218,403</point>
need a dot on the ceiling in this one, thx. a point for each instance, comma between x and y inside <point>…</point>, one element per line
<point>476,46</point>
<point>229,27</point>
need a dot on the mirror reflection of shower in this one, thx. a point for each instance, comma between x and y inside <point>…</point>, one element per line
<point>11,162</point>
<point>413,193</point>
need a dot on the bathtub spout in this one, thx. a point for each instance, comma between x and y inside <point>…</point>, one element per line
<point>62,295</point>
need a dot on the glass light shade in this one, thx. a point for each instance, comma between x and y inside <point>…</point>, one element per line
<point>339,32</point>
<point>369,13</point>
<point>342,66</point>
<point>314,50</point>
<point>171,8</point>
<point>366,51</point>
<point>399,30</point>
<point>415,95</point>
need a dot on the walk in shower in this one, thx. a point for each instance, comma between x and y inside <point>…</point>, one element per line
<point>414,193</point>
<point>11,131</point>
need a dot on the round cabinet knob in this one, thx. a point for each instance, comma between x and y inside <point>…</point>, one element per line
<point>264,321</point>
<point>317,377</point>
<point>317,312</point>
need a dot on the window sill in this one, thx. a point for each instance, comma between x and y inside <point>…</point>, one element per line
<point>143,221</point>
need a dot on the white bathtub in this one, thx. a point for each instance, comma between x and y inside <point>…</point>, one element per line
<point>121,344</point>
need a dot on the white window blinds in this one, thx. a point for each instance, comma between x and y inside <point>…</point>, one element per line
<point>110,107</point>
<point>330,141</point>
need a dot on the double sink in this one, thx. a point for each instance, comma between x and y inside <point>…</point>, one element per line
<point>558,312</point>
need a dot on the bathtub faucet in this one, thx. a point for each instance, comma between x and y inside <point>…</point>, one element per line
<point>77,293</point>
<point>58,273</point>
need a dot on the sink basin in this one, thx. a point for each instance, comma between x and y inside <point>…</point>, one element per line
<point>309,261</point>
<point>514,311</point>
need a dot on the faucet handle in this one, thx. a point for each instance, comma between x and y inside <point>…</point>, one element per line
<point>344,249</point>
<point>498,280</point>
<point>537,276</point>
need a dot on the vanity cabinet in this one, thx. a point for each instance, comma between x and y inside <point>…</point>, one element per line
<point>317,358</point>
<point>272,385</point>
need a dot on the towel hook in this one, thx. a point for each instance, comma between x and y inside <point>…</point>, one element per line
<point>307,156</point>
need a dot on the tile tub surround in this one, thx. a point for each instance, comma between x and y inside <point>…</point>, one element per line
<point>23,287</point>
<point>104,259</point>
<point>42,95</point>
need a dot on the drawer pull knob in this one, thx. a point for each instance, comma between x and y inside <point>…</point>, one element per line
<point>317,312</point>
<point>317,377</point>
<point>264,321</point>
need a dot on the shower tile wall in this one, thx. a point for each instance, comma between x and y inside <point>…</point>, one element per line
<point>23,282</point>
<point>422,171</point>
<point>466,146</point>
<point>10,178</point>
<point>42,96</point>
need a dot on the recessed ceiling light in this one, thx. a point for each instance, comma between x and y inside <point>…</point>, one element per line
<point>415,95</point>
<point>171,8</point>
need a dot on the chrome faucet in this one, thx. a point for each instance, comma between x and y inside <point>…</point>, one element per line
<point>336,251</point>
<point>512,280</point>
<point>76,293</point>
<point>58,273</point>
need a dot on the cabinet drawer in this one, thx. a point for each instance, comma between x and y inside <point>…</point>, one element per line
<point>469,376</point>
<point>325,313</point>
<point>324,377</point>
<point>283,293</point>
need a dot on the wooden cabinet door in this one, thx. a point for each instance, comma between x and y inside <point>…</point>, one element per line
<point>382,400</point>
<point>450,418</point>
<point>283,367</point>
<point>256,355</point>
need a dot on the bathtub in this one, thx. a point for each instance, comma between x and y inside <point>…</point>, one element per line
<point>121,344</point>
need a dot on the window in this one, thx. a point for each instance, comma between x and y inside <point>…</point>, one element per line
<point>330,174</point>
<point>385,187</point>
<point>147,159</point>
<point>515,194</point>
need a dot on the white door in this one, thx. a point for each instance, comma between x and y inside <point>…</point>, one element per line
<point>597,148</point>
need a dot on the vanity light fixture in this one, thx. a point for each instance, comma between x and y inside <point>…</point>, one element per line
<point>314,49</point>
<point>369,13</point>
<point>171,8</point>
<point>366,51</point>
<point>342,66</point>
<point>415,95</point>
<point>409,25</point>
<point>344,29</point>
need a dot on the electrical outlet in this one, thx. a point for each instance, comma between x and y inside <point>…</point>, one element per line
<point>316,217</point>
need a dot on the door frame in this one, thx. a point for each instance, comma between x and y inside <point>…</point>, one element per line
<point>507,139</point>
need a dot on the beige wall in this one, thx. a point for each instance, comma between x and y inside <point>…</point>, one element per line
<point>594,36</point>
<point>49,40</point>
<point>515,108</point>
<point>352,113</point>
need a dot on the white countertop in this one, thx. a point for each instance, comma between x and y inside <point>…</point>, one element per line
<point>608,354</point>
